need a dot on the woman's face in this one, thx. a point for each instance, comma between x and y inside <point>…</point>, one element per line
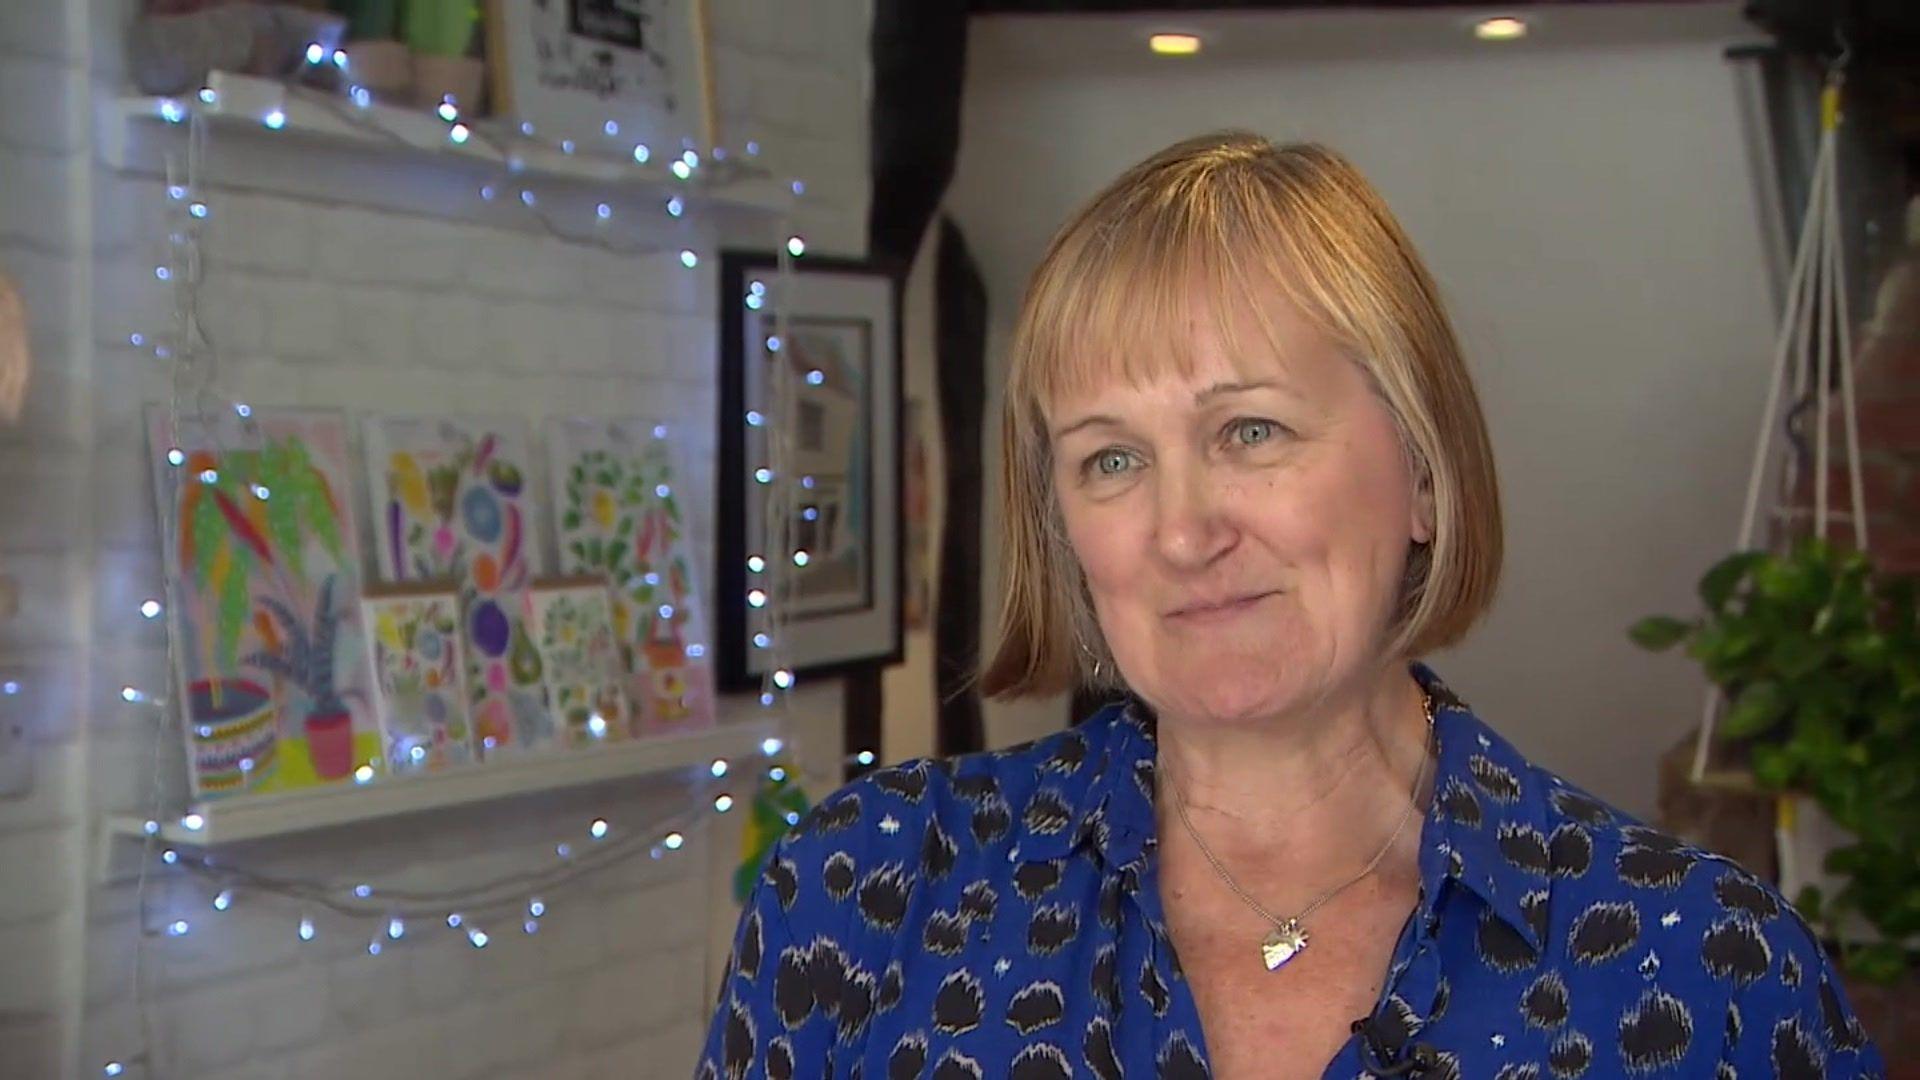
<point>1244,530</point>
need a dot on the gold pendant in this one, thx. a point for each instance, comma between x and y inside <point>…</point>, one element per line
<point>1285,943</point>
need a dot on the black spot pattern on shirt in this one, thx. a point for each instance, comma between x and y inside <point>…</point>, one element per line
<point>946,933</point>
<point>1053,926</point>
<point>1533,908</point>
<point>1529,1070</point>
<point>1653,867</point>
<point>1040,1061</point>
<point>747,957</point>
<point>1035,1006</point>
<point>978,787</point>
<point>1500,946</point>
<point>907,783</point>
<point>792,991</point>
<point>833,815</point>
<point>780,1058</point>
<point>1099,1050</point>
<point>1496,780</point>
<point>1569,1055</point>
<point>978,901</point>
<point>1104,979</point>
<point>937,853</point>
<point>1069,755</point>
<point>909,1056</point>
<point>891,985</point>
<point>1458,802</point>
<point>1603,931</point>
<point>1178,1060</point>
<point>1794,1055</point>
<point>1655,1033</point>
<point>1545,1002</point>
<point>883,896</point>
<point>957,1004</point>
<point>1789,970</point>
<point>738,1054</point>
<point>991,820</point>
<point>1843,1030</point>
<point>836,876</point>
<point>1525,848</point>
<point>1580,807</point>
<point>785,880</point>
<point>1569,851</point>
<point>1154,988</point>
<point>1047,813</point>
<point>1738,892</point>
<point>856,1001</point>
<point>1735,950</point>
<point>955,1065</point>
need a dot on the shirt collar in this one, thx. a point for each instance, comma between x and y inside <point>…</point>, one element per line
<point>1485,830</point>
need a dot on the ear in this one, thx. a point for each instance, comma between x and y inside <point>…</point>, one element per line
<point>1421,523</point>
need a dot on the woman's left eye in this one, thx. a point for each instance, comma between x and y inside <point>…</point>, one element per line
<point>1249,432</point>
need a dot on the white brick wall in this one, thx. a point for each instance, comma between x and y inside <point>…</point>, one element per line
<point>329,305</point>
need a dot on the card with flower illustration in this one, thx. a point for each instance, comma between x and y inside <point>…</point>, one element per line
<point>420,676</point>
<point>620,517</point>
<point>451,501</point>
<point>572,619</point>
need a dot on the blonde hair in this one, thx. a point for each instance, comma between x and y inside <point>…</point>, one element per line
<point>1251,221</point>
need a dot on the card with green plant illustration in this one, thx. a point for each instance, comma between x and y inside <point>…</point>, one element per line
<point>620,516</point>
<point>451,502</point>
<point>572,619</point>
<point>259,547</point>
<point>420,676</point>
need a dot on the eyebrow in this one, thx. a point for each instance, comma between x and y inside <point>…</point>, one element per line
<point>1214,391</point>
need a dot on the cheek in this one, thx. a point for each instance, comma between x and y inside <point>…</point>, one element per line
<point>1105,544</point>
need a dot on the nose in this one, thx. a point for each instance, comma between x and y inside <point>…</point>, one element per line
<point>1192,527</point>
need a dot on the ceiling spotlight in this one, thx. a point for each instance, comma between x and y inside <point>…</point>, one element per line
<point>1503,28</point>
<point>1174,44</point>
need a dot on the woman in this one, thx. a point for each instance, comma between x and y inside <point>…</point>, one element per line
<point>1246,483</point>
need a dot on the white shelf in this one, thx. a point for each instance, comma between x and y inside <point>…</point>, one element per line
<point>318,124</point>
<point>236,820</point>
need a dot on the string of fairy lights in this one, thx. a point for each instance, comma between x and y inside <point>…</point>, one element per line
<point>386,914</point>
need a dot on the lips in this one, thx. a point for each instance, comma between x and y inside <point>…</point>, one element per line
<point>1222,608</point>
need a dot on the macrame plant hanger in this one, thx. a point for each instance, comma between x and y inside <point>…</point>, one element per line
<point>1815,333</point>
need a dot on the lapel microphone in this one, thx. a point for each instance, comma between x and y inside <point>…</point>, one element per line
<point>1384,1051</point>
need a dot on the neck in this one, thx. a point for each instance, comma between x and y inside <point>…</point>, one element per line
<point>1307,785</point>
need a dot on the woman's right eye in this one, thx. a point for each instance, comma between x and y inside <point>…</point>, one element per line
<point>1109,462</point>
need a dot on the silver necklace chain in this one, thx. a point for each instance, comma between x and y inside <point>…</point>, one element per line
<point>1419,776</point>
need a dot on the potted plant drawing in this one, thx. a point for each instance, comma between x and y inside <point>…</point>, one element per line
<point>245,517</point>
<point>1819,659</point>
<point>301,653</point>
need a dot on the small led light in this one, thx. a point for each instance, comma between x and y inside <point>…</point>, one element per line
<point>489,742</point>
<point>340,59</point>
<point>448,111</point>
<point>242,410</point>
<point>112,1068</point>
<point>169,856</point>
<point>719,767</point>
<point>1174,44</point>
<point>688,259</point>
<point>1503,28</point>
<point>763,474</point>
<point>275,120</point>
<point>666,611</point>
<point>662,491</point>
<point>453,920</point>
<point>783,678</point>
<point>766,699</point>
<point>176,457</point>
<point>723,804</point>
<point>262,492</point>
<point>761,640</point>
<point>681,169</point>
<point>396,929</point>
<point>361,96</point>
<point>193,823</point>
<point>151,828</point>
<point>536,907</point>
<point>486,192</point>
<point>209,476</point>
<point>363,774</point>
<point>651,577</point>
<point>566,146</point>
<point>756,564</point>
<point>603,211</point>
<point>176,192</point>
<point>807,482</point>
<point>755,303</point>
<point>137,340</point>
<point>373,947</point>
<point>801,558</point>
<point>527,197</point>
<point>773,343</point>
<point>526,127</point>
<point>796,247</point>
<point>478,937</point>
<point>179,927</point>
<point>162,352</point>
<point>565,851</point>
<point>864,757</point>
<point>793,817</point>
<point>530,926</point>
<point>150,609</point>
<point>163,273</point>
<point>598,829</point>
<point>753,148</point>
<point>306,929</point>
<point>799,187</point>
<point>205,731</point>
<point>223,901</point>
<point>673,841</point>
<point>692,159</point>
<point>597,726</point>
<point>756,598</point>
<point>776,774</point>
<point>611,127</point>
<point>417,754</point>
<point>207,96</point>
<point>171,112</point>
<point>246,764</point>
<point>363,890</point>
<point>459,133</point>
<point>757,287</point>
<point>316,52</point>
<point>676,206</point>
<point>816,377</point>
<point>696,650</point>
<point>641,153</point>
<point>134,696</point>
<point>659,431</point>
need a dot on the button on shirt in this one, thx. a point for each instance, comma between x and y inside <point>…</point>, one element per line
<point>999,915</point>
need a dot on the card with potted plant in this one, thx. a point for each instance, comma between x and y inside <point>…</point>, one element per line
<point>258,539</point>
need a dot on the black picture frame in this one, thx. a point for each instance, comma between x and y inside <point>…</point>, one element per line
<point>835,303</point>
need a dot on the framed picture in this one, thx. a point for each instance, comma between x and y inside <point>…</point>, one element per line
<point>619,511</point>
<point>419,675</point>
<point>845,575</point>
<point>261,555</point>
<point>624,71</point>
<point>572,619</point>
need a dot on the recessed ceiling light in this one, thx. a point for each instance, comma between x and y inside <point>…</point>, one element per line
<point>1503,28</point>
<point>1174,44</point>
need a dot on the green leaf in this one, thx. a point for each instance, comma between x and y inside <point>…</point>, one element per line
<point>1772,766</point>
<point>1657,632</point>
<point>1719,583</point>
<point>1760,707</point>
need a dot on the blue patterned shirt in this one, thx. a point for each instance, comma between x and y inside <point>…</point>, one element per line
<point>999,915</point>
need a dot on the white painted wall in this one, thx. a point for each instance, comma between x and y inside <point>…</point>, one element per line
<point>1584,200</point>
<point>336,305</point>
